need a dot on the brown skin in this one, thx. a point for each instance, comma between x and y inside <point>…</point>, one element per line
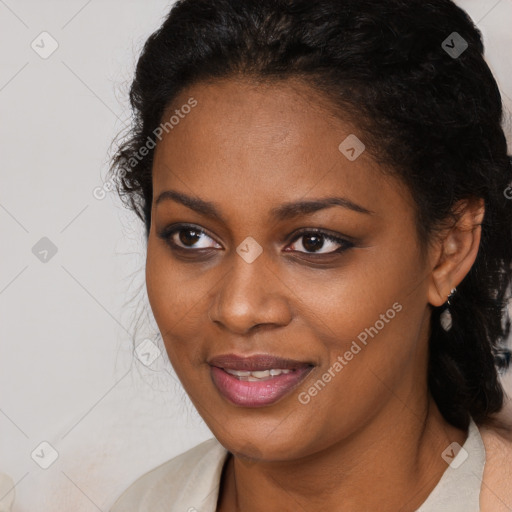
<point>372,438</point>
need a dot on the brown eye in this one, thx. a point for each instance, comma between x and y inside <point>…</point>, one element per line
<point>188,238</point>
<point>318,242</point>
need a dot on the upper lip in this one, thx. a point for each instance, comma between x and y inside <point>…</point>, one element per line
<point>256,362</point>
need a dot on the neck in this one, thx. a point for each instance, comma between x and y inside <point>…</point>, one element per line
<point>391,464</point>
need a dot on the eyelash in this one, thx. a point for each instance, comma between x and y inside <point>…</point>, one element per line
<point>168,233</point>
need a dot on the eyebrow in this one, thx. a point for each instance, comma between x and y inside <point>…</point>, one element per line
<point>282,212</point>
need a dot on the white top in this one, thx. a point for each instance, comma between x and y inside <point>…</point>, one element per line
<point>190,481</point>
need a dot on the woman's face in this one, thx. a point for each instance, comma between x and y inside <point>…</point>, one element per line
<point>244,274</point>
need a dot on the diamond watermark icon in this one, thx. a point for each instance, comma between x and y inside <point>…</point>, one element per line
<point>44,45</point>
<point>45,455</point>
<point>455,455</point>
<point>147,352</point>
<point>249,249</point>
<point>454,45</point>
<point>351,147</point>
<point>44,250</point>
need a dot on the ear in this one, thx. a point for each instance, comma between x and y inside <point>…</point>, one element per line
<point>455,250</point>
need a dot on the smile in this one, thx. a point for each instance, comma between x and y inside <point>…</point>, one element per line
<point>256,381</point>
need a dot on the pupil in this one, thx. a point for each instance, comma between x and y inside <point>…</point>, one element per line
<point>189,239</point>
<point>317,244</point>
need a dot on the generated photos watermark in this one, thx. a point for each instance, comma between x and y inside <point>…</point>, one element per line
<point>179,114</point>
<point>355,348</point>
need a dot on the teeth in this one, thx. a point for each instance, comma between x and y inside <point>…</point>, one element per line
<point>238,373</point>
<point>256,375</point>
<point>261,374</point>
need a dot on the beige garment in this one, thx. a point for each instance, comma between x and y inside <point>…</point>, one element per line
<point>7,492</point>
<point>496,493</point>
<point>190,481</point>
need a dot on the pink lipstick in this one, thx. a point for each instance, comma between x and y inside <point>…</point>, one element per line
<point>257,380</point>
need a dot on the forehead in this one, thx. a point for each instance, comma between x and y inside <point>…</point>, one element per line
<point>241,115</point>
<point>264,143</point>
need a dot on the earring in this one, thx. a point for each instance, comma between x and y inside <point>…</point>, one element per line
<point>446,316</point>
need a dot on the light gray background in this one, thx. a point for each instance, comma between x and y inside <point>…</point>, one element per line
<point>68,375</point>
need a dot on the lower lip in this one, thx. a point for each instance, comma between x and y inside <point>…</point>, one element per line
<point>257,394</point>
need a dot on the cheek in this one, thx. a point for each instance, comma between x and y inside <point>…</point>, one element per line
<point>368,312</point>
<point>177,298</point>
<point>363,295</point>
<point>367,330</point>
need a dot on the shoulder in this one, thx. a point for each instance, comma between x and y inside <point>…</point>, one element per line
<point>496,491</point>
<point>191,474</point>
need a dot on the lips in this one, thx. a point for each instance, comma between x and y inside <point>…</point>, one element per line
<point>257,380</point>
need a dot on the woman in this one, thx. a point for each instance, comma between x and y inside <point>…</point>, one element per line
<point>329,249</point>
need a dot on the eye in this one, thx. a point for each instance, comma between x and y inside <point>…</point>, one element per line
<point>188,237</point>
<point>313,241</point>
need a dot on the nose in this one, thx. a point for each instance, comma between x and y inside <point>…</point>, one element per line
<point>249,296</point>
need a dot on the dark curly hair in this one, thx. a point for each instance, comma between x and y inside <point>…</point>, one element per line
<point>430,117</point>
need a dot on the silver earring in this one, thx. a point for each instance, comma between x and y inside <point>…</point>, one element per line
<point>446,316</point>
